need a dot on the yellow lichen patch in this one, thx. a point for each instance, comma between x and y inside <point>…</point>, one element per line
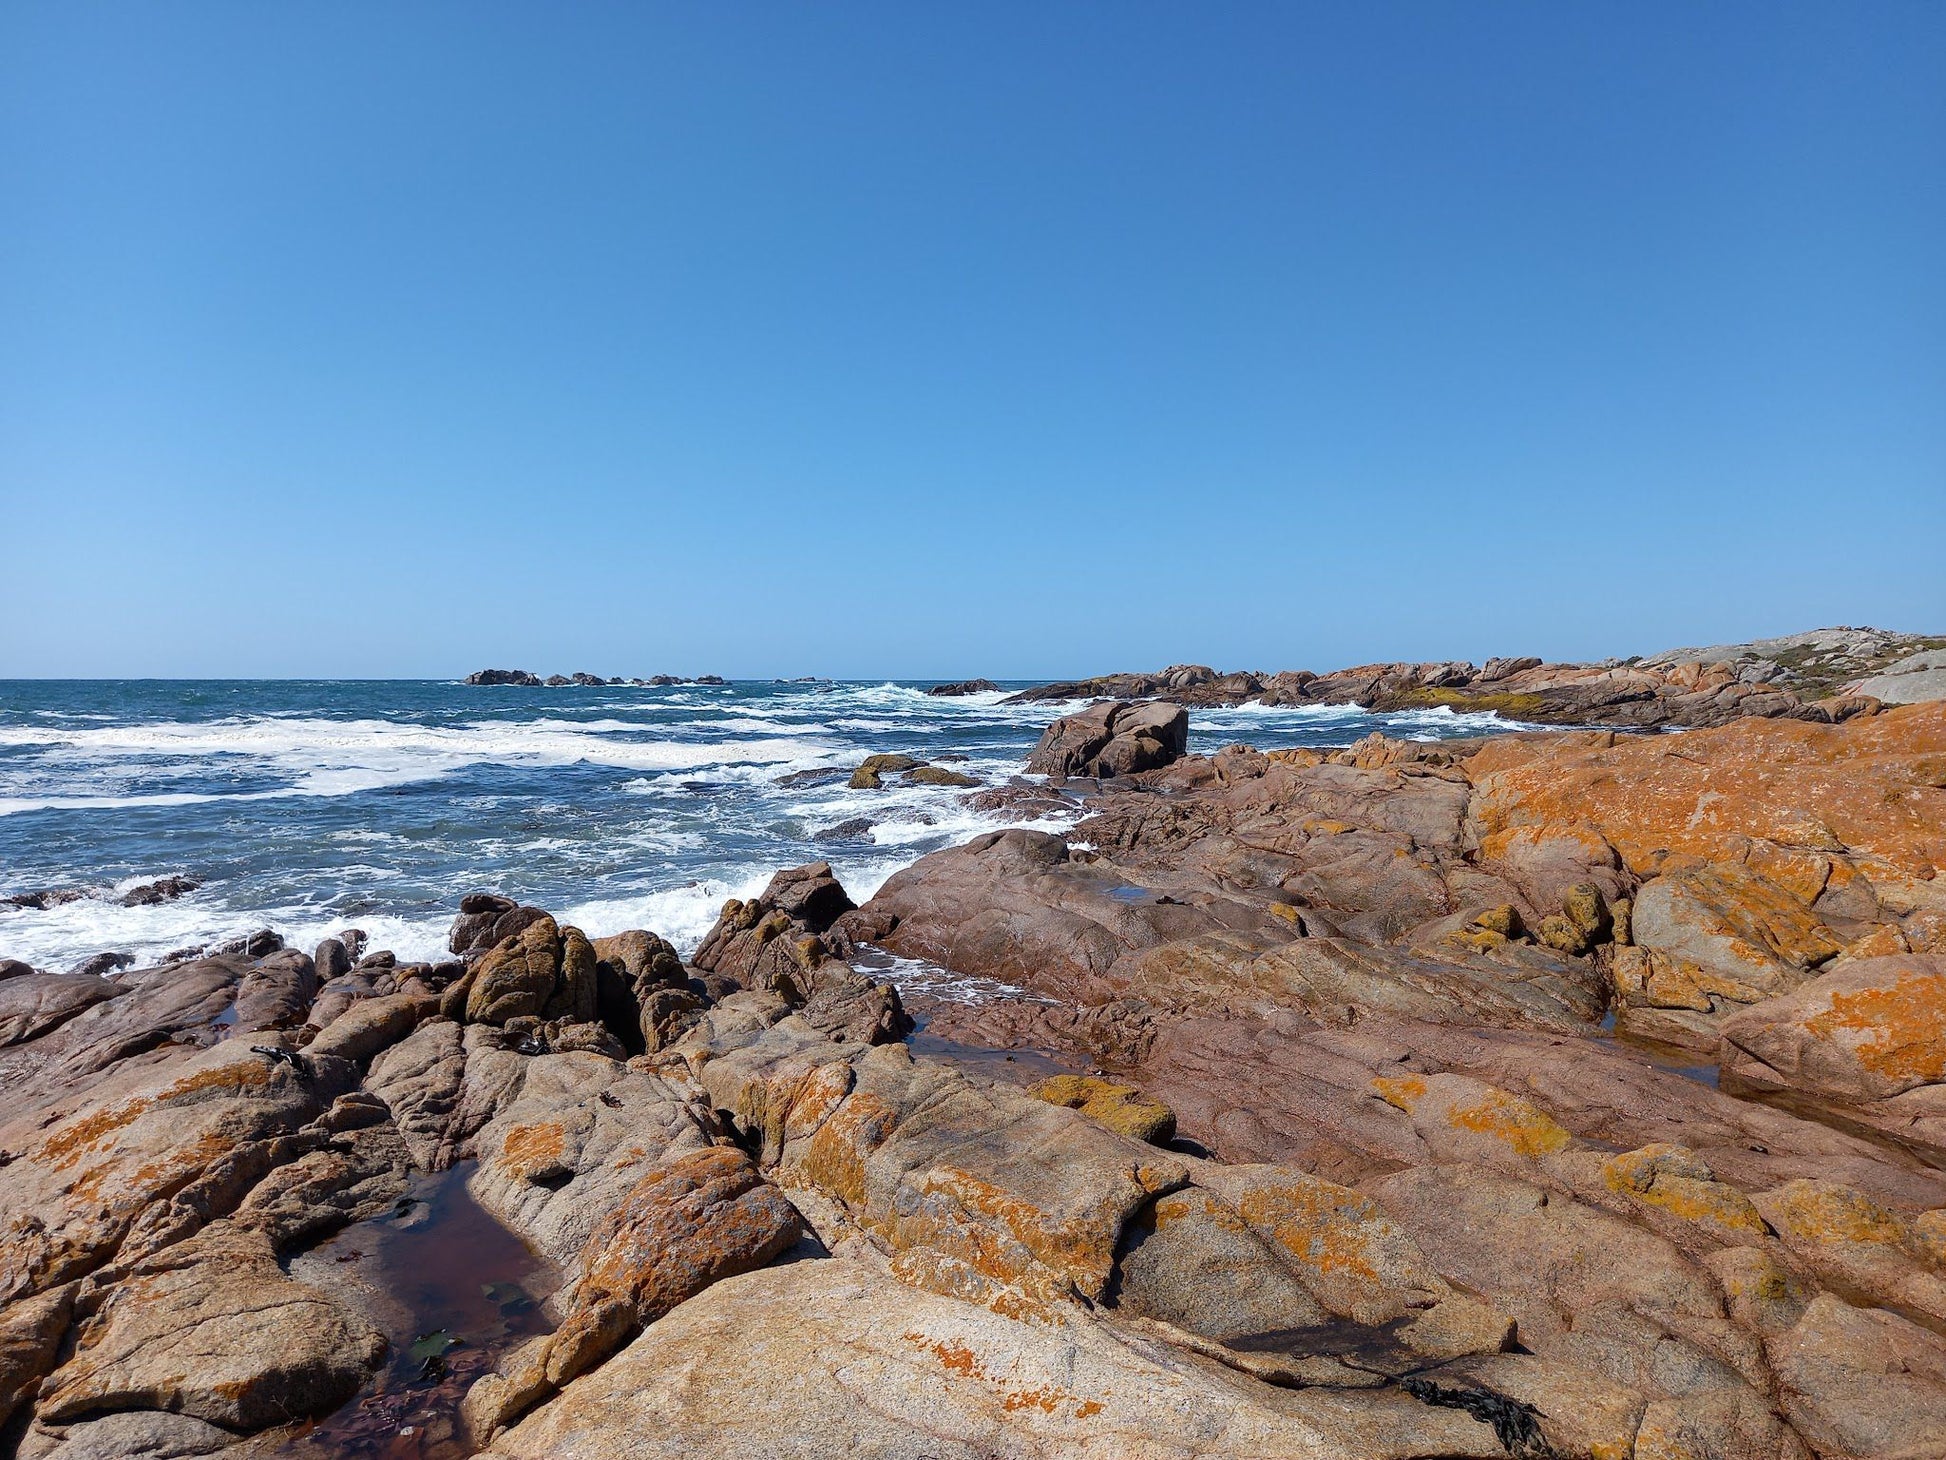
<point>1401,1092</point>
<point>833,1160</point>
<point>1828,1211</point>
<point>1325,827</point>
<point>1901,1022</point>
<point>1524,1128</point>
<point>533,1150</point>
<point>1286,913</point>
<point>1447,1102</point>
<point>1121,1108</point>
<point>1675,1180</point>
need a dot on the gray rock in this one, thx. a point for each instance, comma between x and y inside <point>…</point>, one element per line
<point>1907,681</point>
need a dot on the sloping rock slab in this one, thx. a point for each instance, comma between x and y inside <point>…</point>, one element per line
<point>830,1358</point>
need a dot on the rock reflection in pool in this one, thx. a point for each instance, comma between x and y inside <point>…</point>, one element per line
<point>452,1290</point>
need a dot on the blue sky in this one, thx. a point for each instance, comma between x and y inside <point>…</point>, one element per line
<point>930,340</point>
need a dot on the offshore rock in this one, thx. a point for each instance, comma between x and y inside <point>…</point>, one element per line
<point>1112,739</point>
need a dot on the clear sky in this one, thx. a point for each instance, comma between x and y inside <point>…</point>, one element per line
<point>945,340</point>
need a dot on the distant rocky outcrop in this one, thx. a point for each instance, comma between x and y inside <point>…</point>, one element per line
<point>1824,676</point>
<point>1906,681</point>
<point>964,687</point>
<point>580,679</point>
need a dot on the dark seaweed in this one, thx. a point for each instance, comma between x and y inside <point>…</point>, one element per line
<point>1513,1420</point>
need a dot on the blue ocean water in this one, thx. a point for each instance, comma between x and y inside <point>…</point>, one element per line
<point>312,806</point>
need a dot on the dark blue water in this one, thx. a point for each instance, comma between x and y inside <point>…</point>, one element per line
<point>310,806</point>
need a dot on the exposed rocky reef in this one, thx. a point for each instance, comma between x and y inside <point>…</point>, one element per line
<point>580,679</point>
<point>1826,675</point>
<point>1338,1158</point>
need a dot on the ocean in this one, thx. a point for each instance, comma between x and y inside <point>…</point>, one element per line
<point>312,806</point>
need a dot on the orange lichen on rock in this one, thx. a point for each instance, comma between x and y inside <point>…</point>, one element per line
<point>1401,1092</point>
<point>1525,1128</point>
<point>959,1360</point>
<point>232,1078</point>
<point>1902,1024</point>
<point>1829,1211</point>
<point>1472,1107</point>
<point>1860,786</point>
<point>63,1148</point>
<point>531,1151</point>
<point>833,1160</point>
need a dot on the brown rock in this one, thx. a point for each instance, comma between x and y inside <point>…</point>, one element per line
<point>1873,1030</point>
<point>518,976</point>
<point>830,1359</point>
<point>212,1328</point>
<point>1112,739</point>
<point>30,1339</point>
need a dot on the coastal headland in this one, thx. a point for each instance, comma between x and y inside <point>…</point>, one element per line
<point>1569,1091</point>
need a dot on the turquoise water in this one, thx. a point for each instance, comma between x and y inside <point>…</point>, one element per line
<point>310,806</point>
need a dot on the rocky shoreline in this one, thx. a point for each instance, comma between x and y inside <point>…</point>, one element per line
<point>1566,1093</point>
<point>1826,675</point>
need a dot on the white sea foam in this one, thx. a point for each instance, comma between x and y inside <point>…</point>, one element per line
<point>920,977</point>
<point>342,757</point>
<point>1437,722</point>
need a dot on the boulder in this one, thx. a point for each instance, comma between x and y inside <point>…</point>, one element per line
<point>1906,681</point>
<point>516,977</point>
<point>938,775</point>
<point>1113,738</point>
<point>570,1135</point>
<point>985,1193</point>
<point>684,1225</point>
